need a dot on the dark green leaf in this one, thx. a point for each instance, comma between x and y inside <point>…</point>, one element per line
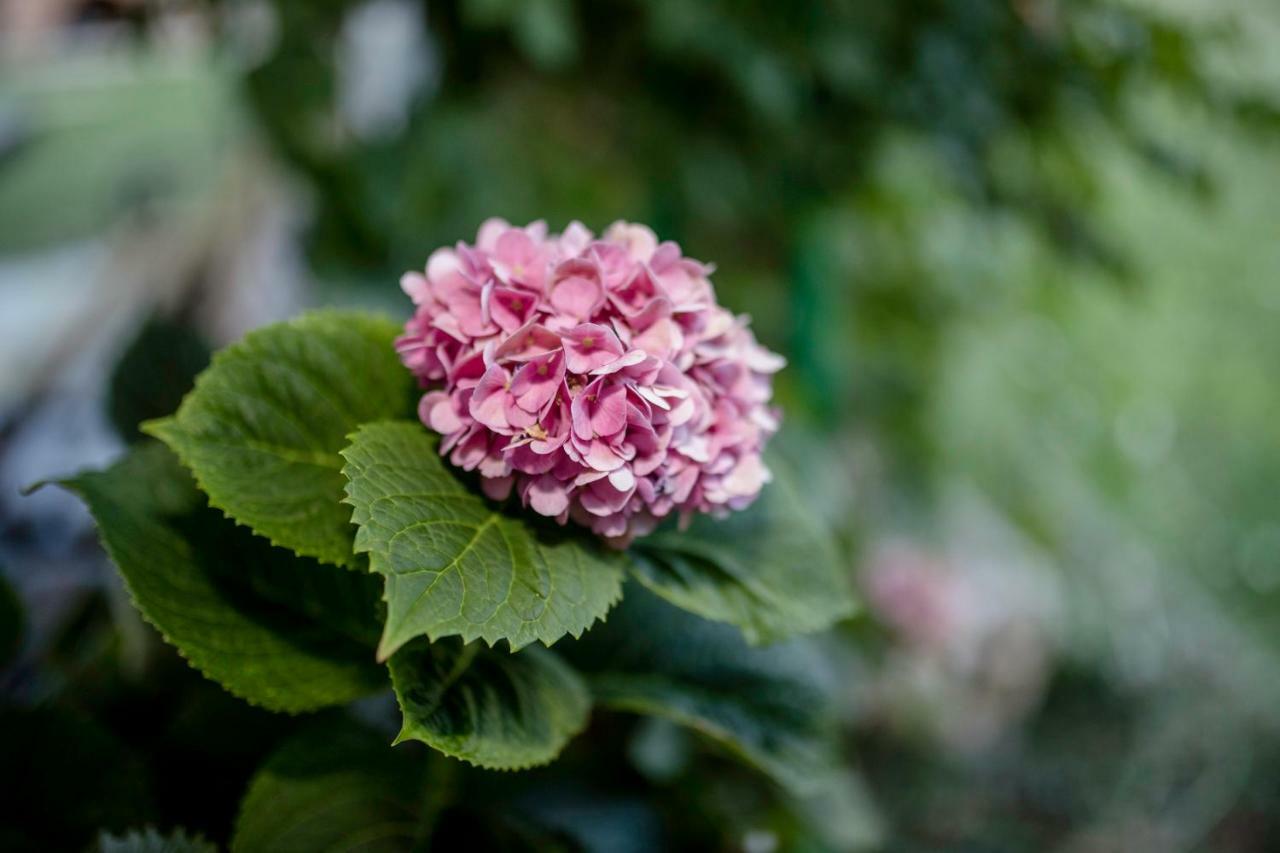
<point>767,705</point>
<point>773,569</point>
<point>153,374</point>
<point>455,564</point>
<point>333,786</point>
<point>264,424</point>
<point>487,706</point>
<point>278,630</point>
<point>65,778</point>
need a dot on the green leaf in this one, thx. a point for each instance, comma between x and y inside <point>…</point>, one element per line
<point>153,374</point>
<point>772,569</point>
<point>262,428</point>
<point>332,786</point>
<point>487,706</point>
<point>151,841</point>
<point>65,778</point>
<point>456,565</point>
<point>277,630</point>
<point>767,705</point>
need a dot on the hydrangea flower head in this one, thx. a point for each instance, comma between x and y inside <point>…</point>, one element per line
<point>597,377</point>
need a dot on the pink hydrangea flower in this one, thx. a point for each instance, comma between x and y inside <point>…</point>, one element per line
<point>597,377</point>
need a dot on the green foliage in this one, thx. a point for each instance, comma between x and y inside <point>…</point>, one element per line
<point>332,786</point>
<point>773,569</point>
<point>132,133</point>
<point>486,706</point>
<point>454,563</point>
<point>151,841</point>
<point>153,374</point>
<point>262,429</point>
<point>736,104</point>
<point>45,807</point>
<point>277,630</point>
<point>767,705</point>
<point>272,429</point>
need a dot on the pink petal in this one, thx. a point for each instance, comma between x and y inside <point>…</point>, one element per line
<point>576,296</point>
<point>602,457</point>
<point>488,403</point>
<point>437,411</point>
<point>415,286</point>
<point>510,307</point>
<point>529,341</point>
<point>497,488</point>
<point>537,381</point>
<point>609,412</point>
<point>589,346</point>
<point>627,359</point>
<point>548,496</point>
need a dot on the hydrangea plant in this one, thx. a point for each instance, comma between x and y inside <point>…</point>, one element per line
<point>343,504</point>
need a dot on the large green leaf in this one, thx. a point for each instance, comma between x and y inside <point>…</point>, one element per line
<point>278,630</point>
<point>768,705</point>
<point>454,563</point>
<point>332,786</point>
<point>262,428</point>
<point>772,569</point>
<point>487,706</point>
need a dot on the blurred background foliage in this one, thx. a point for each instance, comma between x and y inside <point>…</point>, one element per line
<point>1023,257</point>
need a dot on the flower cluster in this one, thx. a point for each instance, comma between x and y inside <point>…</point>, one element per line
<point>598,377</point>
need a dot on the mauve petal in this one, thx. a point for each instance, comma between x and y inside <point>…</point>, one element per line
<point>588,346</point>
<point>488,402</point>
<point>623,479</point>
<point>683,484</point>
<point>638,240</point>
<point>548,496</point>
<point>497,488</point>
<point>674,413</point>
<point>602,457</point>
<point>602,499</point>
<point>490,230</point>
<point>576,296</point>
<point>415,286</point>
<point>529,341</point>
<point>575,239</point>
<point>581,417</point>
<point>525,459</point>
<point>609,410</point>
<point>614,530</point>
<point>494,466</point>
<point>661,340</point>
<point>471,451</point>
<point>517,417</point>
<point>622,362</point>
<point>437,410</point>
<point>537,381</point>
<point>510,308</point>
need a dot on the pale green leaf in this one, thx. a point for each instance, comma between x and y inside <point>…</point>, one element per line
<point>332,786</point>
<point>772,569</point>
<point>278,630</point>
<point>768,705</point>
<point>455,564</point>
<point>264,424</point>
<point>487,706</point>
